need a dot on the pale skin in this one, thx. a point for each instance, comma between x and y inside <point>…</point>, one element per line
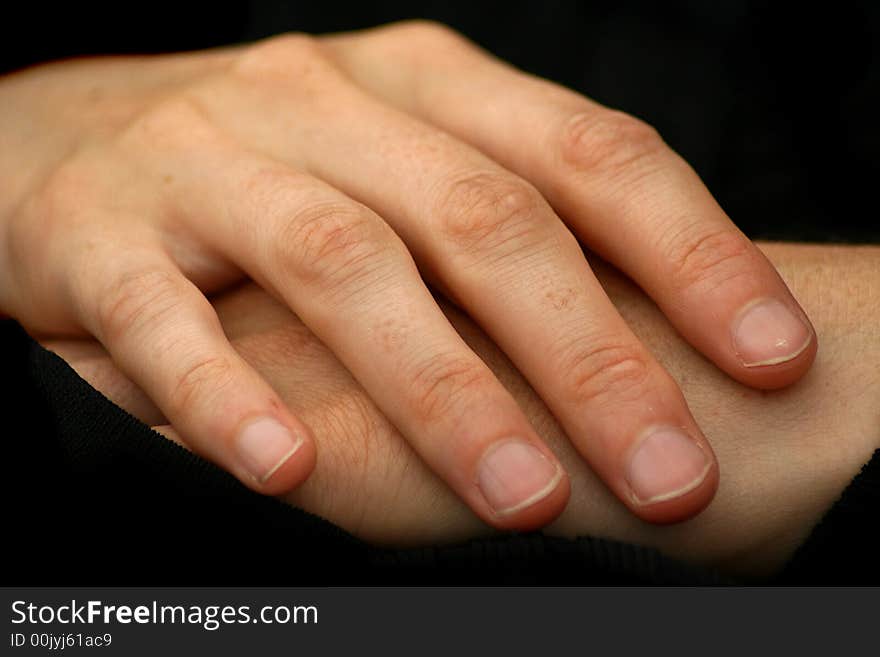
<point>785,455</point>
<point>341,173</point>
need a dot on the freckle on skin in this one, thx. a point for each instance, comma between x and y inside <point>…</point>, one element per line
<point>392,335</point>
<point>561,299</point>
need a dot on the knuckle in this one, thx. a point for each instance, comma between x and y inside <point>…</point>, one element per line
<point>606,141</point>
<point>425,44</point>
<point>281,57</point>
<point>62,186</point>
<point>198,382</point>
<point>488,212</point>
<point>332,245</point>
<point>425,32</point>
<point>174,121</point>
<point>53,235</point>
<point>47,213</point>
<point>607,373</point>
<point>710,259</point>
<point>69,186</point>
<point>136,301</point>
<point>440,384</point>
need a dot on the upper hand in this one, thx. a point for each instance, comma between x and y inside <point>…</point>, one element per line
<point>337,172</point>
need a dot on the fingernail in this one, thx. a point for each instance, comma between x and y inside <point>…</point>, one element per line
<point>264,445</point>
<point>768,333</point>
<point>515,475</point>
<point>666,464</point>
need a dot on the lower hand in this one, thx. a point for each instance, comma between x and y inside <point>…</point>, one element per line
<point>786,455</point>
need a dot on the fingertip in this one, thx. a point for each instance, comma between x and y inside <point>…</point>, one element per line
<point>541,513</point>
<point>670,476</point>
<point>685,506</point>
<point>293,472</point>
<point>523,485</point>
<point>274,456</point>
<point>781,375</point>
<point>774,342</point>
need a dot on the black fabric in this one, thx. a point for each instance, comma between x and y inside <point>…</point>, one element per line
<point>96,497</point>
<point>775,110</point>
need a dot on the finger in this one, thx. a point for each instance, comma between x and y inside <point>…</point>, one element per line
<point>351,280</point>
<point>492,242</point>
<point>620,188</point>
<point>164,335</point>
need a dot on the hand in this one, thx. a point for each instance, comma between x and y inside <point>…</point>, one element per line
<point>786,455</point>
<point>327,169</point>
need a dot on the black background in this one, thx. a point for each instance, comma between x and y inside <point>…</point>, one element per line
<point>775,105</point>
